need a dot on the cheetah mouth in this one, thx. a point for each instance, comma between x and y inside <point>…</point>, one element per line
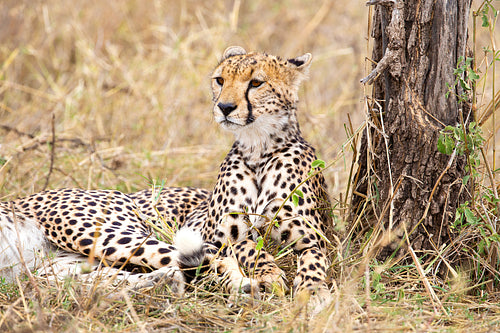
<point>229,124</point>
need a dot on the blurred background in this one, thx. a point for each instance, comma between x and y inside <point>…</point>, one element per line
<point>128,85</point>
<point>122,87</point>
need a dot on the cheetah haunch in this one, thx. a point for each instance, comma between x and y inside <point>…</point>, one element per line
<point>255,97</point>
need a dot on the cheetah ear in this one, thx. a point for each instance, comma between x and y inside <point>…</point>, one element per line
<point>302,63</point>
<point>233,51</point>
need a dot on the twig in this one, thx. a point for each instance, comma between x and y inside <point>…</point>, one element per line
<point>427,285</point>
<point>15,130</point>
<point>77,141</point>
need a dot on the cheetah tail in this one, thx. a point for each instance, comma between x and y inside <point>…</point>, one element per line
<point>189,243</point>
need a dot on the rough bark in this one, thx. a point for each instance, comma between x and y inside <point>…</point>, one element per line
<point>422,41</point>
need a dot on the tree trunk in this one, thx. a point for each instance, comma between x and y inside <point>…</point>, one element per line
<point>417,45</point>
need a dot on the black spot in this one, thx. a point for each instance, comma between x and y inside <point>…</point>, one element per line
<point>234,190</point>
<point>85,242</point>
<point>124,240</point>
<point>234,232</point>
<point>109,251</point>
<point>285,235</point>
<point>165,261</point>
<point>138,252</point>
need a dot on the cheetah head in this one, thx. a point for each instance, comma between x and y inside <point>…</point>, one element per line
<point>255,94</point>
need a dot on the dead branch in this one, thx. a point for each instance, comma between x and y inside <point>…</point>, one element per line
<point>395,32</point>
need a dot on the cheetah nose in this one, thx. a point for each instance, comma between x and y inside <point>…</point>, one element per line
<point>226,108</point>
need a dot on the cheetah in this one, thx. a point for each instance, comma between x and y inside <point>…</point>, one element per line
<point>255,97</point>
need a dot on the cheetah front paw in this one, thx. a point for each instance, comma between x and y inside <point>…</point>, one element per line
<point>169,275</point>
<point>273,280</point>
<point>316,299</point>
<point>243,292</point>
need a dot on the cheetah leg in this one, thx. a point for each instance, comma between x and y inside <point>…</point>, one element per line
<point>311,278</point>
<point>260,265</point>
<point>228,272</point>
<point>235,282</point>
<point>168,275</point>
<point>75,265</point>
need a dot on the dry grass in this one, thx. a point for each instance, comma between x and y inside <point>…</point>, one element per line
<point>127,83</point>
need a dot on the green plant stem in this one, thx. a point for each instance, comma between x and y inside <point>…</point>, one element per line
<point>493,185</point>
<point>467,154</point>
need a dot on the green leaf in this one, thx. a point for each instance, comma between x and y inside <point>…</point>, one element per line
<point>486,21</point>
<point>299,193</point>
<point>495,237</point>
<point>473,75</point>
<point>465,180</point>
<point>295,200</point>
<point>260,243</point>
<point>445,144</point>
<point>440,145</point>
<point>470,217</point>
<point>465,85</point>
<point>318,164</point>
<point>450,145</point>
<point>481,246</point>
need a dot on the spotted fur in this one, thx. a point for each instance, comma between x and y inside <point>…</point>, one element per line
<point>255,97</point>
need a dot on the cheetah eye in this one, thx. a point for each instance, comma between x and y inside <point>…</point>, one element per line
<point>255,83</point>
<point>219,80</point>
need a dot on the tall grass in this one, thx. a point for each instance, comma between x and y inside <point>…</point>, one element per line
<point>128,84</point>
<point>115,94</point>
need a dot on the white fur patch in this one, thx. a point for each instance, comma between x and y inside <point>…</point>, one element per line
<point>188,241</point>
<point>257,134</point>
<point>28,242</point>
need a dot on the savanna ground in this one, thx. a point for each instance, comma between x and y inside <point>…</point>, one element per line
<point>115,95</point>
